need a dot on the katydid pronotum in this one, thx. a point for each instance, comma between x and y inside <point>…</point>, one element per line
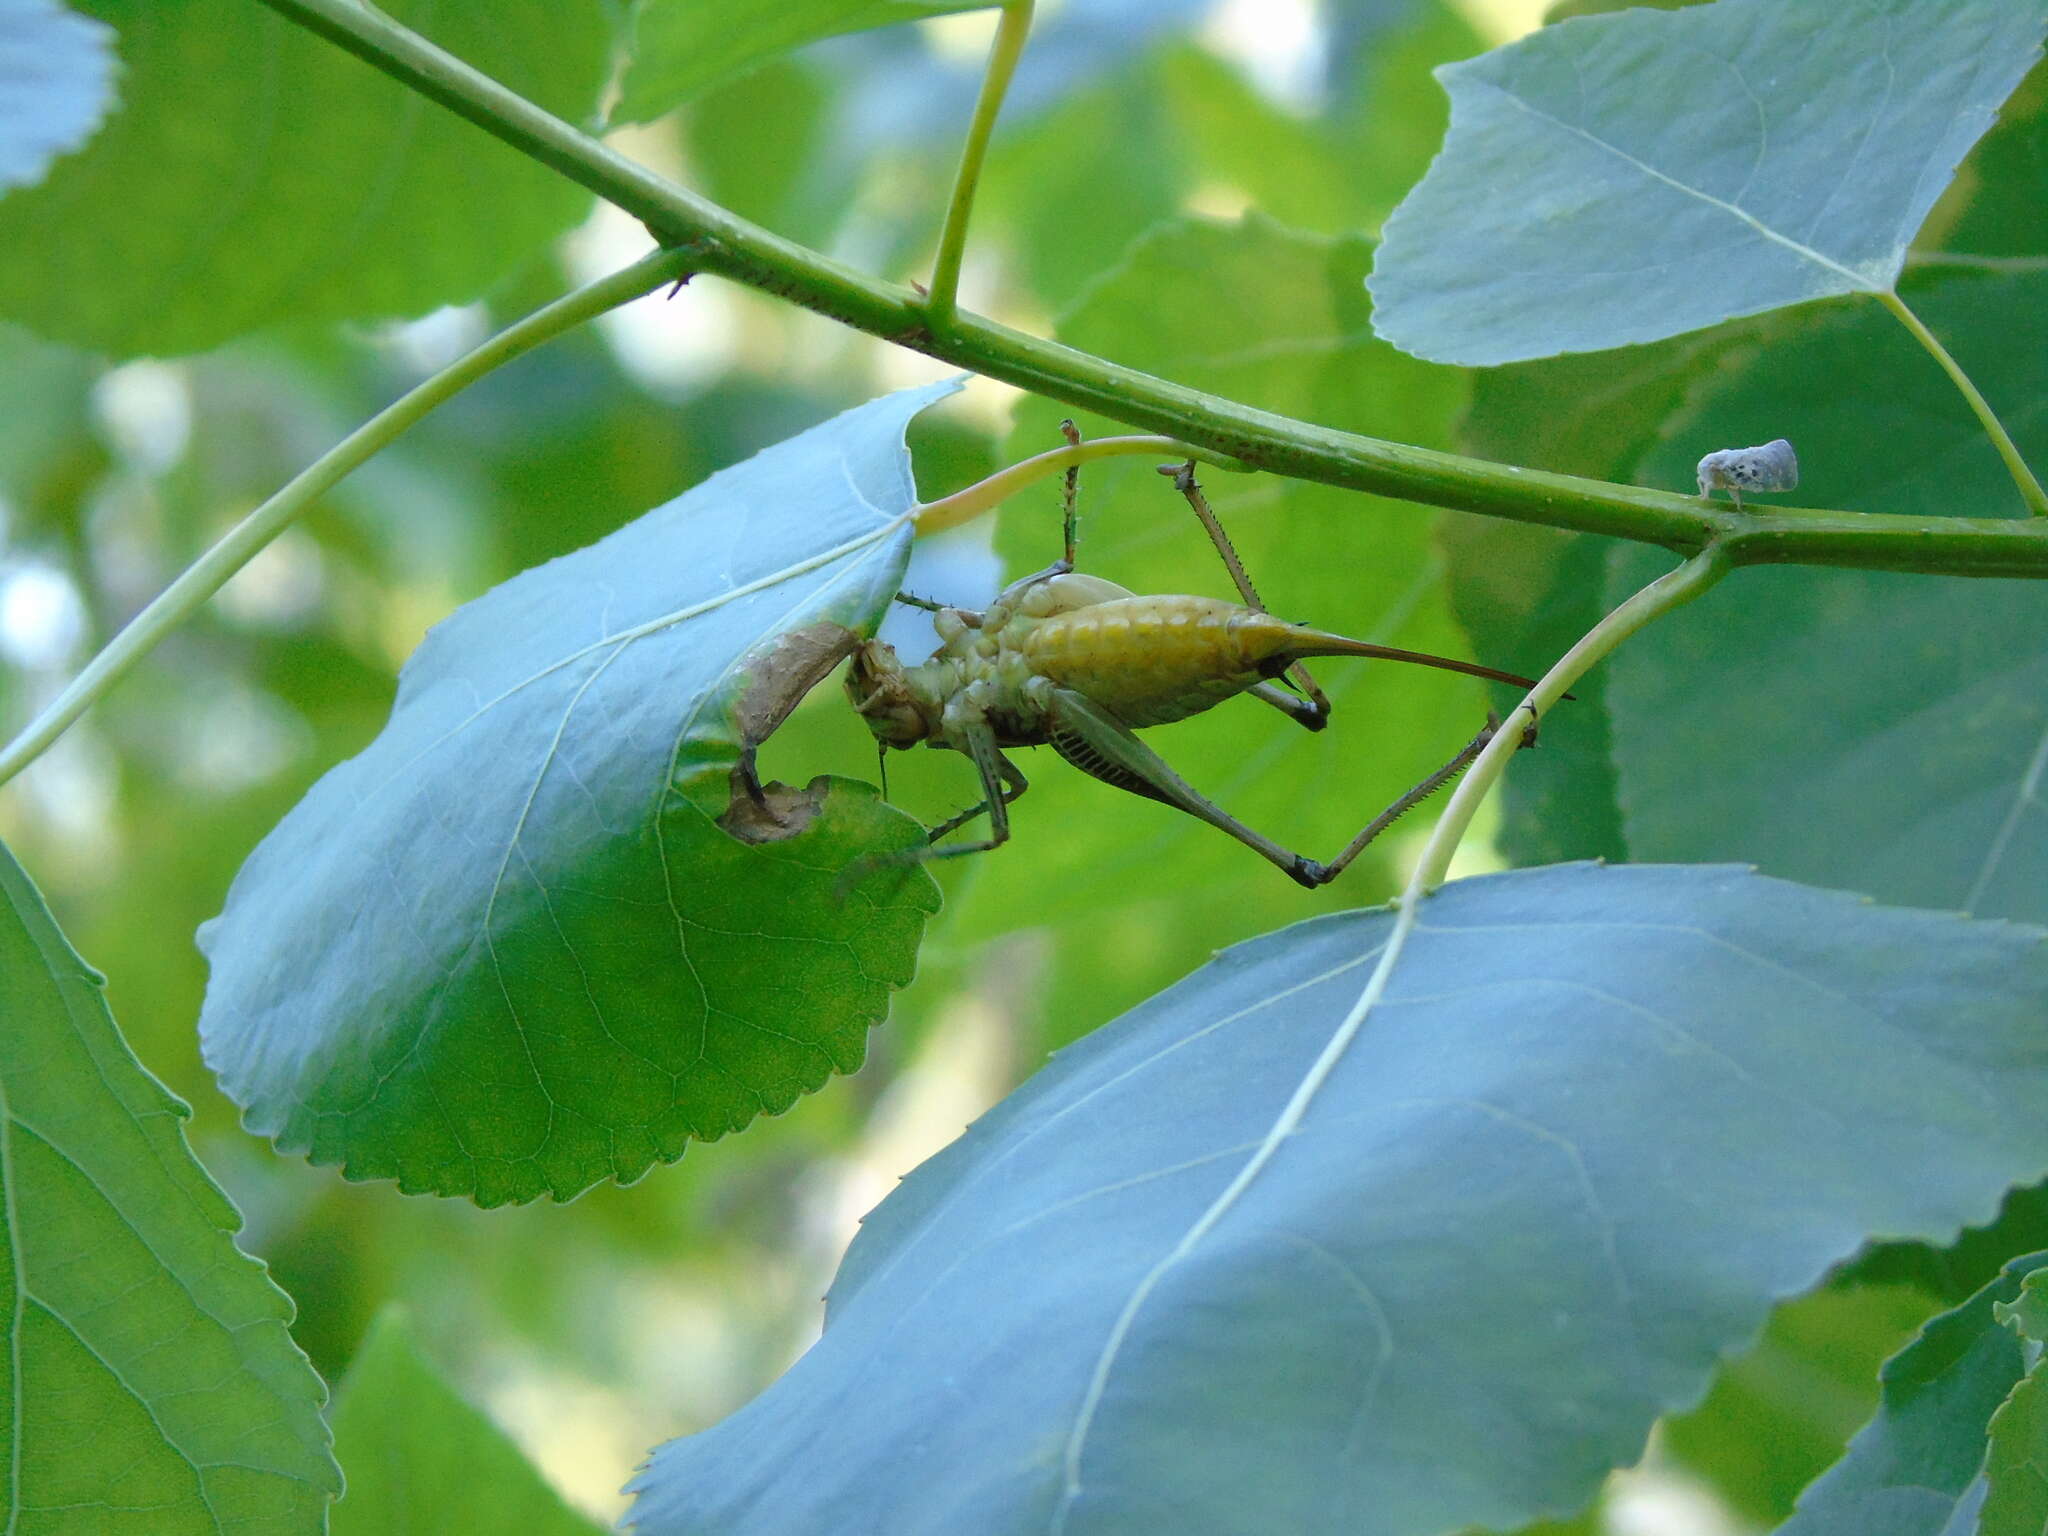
<point>1080,664</point>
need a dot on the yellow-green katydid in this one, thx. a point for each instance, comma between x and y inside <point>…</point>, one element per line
<point>1081,664</point>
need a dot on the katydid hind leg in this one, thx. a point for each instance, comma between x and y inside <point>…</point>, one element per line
<point>1102,746</point>
<point>1458,763</point>
<point>1303,712</point>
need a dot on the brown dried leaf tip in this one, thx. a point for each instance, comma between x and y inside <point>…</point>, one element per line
<point>774,678</point>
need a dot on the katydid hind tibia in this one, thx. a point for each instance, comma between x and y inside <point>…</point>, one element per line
<point>1080,664</point>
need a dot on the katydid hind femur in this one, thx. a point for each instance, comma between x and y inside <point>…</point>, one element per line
<point>1080,664</point>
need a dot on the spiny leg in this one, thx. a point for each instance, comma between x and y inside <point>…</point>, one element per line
<point>1014,784</point>
<point>1102,746</point>
<point>1001,782</point>
<point>968,616</point>
<point>1459,762</point>
<point>1070,518</point>
<point>1070,494</point>
<point>1317,713</point>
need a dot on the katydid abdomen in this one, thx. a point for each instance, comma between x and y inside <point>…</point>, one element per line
<point>1153,660</point>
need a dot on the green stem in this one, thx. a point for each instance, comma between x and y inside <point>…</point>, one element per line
<point>2023,477</point>
<point>726,245</point>
<point>1662,595</point>
<point>1669,591</point>
<point>211,571</point>
<point>943,302</point>
<point>951,511</point>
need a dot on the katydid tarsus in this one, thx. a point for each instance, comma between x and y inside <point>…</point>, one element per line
<point>1080,664</point>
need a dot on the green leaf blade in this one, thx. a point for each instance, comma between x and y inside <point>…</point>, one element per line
<point>512,948</point>
<point>1923,789</point>
<point>56,83</point>
<point>1601,1120</point>
<point>152,1385</point>
<point>1812,146</point>
<point>681,47</point>
<point>257,174</point>
<point>1913,1470</point>
<point>420,1458</point>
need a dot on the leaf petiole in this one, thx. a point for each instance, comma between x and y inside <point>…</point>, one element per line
<point>205,576</point>
<point>1671,590</point>
<point>1015,25</point>
<point>984,495</point>
<point>2030,488</point>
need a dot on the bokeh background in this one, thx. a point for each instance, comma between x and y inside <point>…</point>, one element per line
<point>1186,185</point>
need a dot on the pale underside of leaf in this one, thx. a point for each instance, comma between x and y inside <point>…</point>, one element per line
<point>1617,179</point>
<point>1223,1267</point>
<point>56,83</point>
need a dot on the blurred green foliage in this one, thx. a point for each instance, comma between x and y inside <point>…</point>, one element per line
<point>1154,202</point>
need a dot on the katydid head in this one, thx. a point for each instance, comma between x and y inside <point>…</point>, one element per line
<point>878,685</point>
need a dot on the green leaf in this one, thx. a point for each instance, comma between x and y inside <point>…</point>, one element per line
<point>56,83</point>
<point>2028,1314</point>
<point>1531,592</point>
<point>1997,202</point>
<point>1599,1121</point>
<point>1227,131</point>
<point>2016,1466</point>
<point>259,174</point>
<point>153,1388</point>
<point>1073,213</point>
<point>768,148</point>
<point>1390,126</point>
<point>1136,892</point>
<point>1813,144</point>
<point>1912,1471</point>
<point>512,948</point>
<point>419,1458</point>
<point>682,46</point>
<point>1935,690</point>
<point>1779,1415</point>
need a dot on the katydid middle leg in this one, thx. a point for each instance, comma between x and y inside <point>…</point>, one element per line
<point>996,802</point>
<point>1312,708</point>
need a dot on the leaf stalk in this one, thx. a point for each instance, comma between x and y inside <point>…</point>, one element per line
<point>2022,476</point>
<point>984,495</point>
<point>198,582</point>
<point>721,243</point>
<point>942,303</point>
<point>1671,590</point>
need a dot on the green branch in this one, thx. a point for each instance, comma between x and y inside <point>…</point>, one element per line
<point>718,242</point>
<point>943,302</point>
<point>240,544</point>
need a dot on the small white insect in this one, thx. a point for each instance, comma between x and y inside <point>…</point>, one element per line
<point>1772,467</point>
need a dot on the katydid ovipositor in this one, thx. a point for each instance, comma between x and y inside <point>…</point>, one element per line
<point>1081,664</point>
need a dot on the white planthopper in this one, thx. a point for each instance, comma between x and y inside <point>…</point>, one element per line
<point>1771,467</point>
